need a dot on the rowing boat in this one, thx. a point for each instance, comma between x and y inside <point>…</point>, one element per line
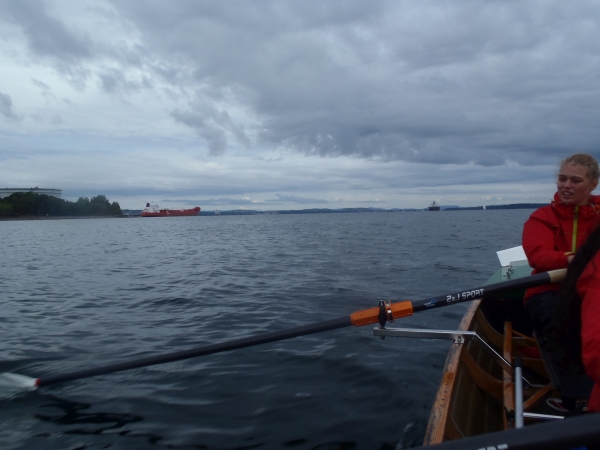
<point>479,392</point>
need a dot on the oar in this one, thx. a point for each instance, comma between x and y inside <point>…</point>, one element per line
<point>384,312</point>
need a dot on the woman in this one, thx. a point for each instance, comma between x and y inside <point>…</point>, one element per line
<point>553,233</point>
<point>578,312</point>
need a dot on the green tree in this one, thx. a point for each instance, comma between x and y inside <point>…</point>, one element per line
<point>6,209</point>
<point>32,204</point>
<point>99,206</point>
<point>115,209</point>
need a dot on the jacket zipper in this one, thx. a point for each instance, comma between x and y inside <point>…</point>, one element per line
<point>574,242</point>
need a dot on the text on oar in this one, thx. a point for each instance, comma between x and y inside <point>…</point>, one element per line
<point>476,293</point>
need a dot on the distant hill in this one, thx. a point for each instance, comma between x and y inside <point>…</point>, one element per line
<point>511,206</point>
<point>244,212</point>
<point>237,212</point>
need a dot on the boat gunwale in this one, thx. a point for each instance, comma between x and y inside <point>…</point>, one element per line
<point>440,410</point>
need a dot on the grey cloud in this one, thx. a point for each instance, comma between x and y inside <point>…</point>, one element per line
<point>50,41</point>
<point>214,136</point>
<point>73,52</point>
<point>43,86</point>
<point>114,80</point>
<point>281,199</point>
<point>420,81</point>
<point>6,107</point>
<point>371,202</point>
<point>215,202</point>
<point>47,35</point>
<point>46,90</point>
<point>211,125</point>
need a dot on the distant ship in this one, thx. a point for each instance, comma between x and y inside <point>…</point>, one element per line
<point>155,211</point>
<point>434,207</point>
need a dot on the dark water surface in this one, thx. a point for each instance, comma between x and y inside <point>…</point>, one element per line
<point>81,293</point>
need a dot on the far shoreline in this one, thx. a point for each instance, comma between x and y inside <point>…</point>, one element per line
<point>7,219</point>
<point>290,212</point>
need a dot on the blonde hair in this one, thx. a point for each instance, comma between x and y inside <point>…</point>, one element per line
<point>585,160</point>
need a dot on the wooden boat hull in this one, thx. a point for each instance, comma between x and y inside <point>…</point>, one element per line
<point>458,396</point>
<point>476,395</point>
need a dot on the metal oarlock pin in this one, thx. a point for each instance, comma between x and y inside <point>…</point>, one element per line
<point>385,314</point>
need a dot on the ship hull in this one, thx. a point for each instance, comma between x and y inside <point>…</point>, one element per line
<point>171,212</point>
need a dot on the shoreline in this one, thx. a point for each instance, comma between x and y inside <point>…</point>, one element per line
<point>7,219</point>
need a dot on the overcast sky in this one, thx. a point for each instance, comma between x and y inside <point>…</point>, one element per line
<point>297,104</point>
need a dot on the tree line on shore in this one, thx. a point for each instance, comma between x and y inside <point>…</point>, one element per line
<point>32,204</point>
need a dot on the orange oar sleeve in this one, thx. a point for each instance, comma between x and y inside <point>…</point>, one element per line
<point>371,315</point>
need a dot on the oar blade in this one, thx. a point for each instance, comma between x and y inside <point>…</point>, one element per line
<point>13,384</point>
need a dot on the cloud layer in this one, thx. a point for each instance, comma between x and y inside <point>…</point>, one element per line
<point>283,103</point>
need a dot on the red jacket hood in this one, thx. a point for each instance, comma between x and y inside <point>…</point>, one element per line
<point>558,208</point>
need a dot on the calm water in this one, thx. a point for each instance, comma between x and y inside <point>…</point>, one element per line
<point>81,293</point>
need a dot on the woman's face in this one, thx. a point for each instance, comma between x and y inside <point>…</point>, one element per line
<point>574,185</point>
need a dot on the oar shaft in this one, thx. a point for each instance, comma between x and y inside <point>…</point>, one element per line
<point>199,351</point>
<point>365,317</point>
<point>407,307</point>
<point>490,290</point>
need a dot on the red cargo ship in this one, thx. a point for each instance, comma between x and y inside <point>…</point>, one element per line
<point>155,211</point>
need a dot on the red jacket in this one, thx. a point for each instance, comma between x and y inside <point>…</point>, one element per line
<point>548,236</point>
<point>588,288</point>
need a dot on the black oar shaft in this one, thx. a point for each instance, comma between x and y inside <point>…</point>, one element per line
<point>365,317</point>
<point>406,308</point>
<point>489,290</point>
<point>199,351</point>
